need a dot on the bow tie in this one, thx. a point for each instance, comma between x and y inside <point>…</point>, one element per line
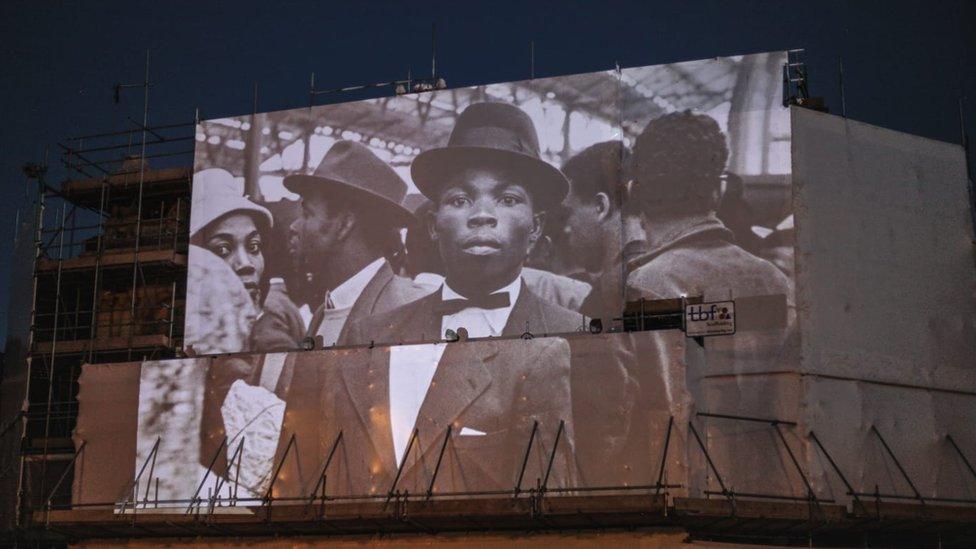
<point>498,300</point>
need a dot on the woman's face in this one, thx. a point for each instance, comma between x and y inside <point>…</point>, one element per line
<point>235,239</point>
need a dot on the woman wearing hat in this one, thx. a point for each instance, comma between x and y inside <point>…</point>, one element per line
<point>231,227</point>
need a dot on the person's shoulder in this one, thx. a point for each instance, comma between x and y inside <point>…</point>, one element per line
<point>563,290</point>
<point>558,319</point>
<point>388,326</point>
<point>406,287</point>
<point>539,360</point>
<point>651,280</point>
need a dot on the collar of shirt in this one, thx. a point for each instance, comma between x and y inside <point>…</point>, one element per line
<point>481,322</point>
<point>345,295</point>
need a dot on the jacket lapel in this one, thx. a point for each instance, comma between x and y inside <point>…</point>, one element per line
<point>461,377</point>
<point>365,304</point>
<point>421,322</point>
<point>526,315</point>
<point>368,387</point>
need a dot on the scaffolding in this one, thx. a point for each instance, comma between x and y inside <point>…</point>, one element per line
<point>109,278</point>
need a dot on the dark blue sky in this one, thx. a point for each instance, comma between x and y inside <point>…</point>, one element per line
<point>906,63</point>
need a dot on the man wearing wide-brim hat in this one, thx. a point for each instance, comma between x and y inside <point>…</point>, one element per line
<point>351,213</point>
<point>489,189</point>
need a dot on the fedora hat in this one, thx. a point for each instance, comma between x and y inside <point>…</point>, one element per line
<point>491,135</point>
<point>217,193</point>
<point>351,166</point>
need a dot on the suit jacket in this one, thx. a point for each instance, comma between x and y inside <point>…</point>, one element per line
<point>280,326</point>
<point>421,321</point>
<point>700,260</point>
<point>384,292</point>
<point>499,388</point>
<point>603,391</point>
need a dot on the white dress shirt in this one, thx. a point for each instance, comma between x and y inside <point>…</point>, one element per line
<point>480,322</point>
<point>412,367</point>
<point>343,297</point>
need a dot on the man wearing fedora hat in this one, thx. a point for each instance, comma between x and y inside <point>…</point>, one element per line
<point>490,191</point>
<point>488,210</point>
<point>348,228</point>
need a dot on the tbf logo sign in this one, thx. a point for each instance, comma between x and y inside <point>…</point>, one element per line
<point>708,319</point>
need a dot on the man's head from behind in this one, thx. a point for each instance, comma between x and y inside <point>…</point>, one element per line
<point>484,223</point>
<point>592,207</point>
<point>678,163</point>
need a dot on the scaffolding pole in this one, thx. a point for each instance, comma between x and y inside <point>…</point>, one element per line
<point>142,176</point>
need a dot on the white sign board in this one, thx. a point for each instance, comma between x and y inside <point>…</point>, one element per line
<point>709,319</point>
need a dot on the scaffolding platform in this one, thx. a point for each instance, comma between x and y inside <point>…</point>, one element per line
<point>116,259</point>
<point>90,192</point>
<point>140,342</point>
<point>743,520</point>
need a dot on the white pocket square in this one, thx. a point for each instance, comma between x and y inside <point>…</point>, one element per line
<point>469,432</point>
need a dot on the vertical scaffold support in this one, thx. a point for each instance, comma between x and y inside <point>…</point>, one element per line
<point>322,478</point>
<point>711,465</point>
<point>664,456</point>
<point>47,502</point>
<point>268,497</point>
<point>958,450</point>
<point>525,460</point>
<point>833,464</point>
<point>552,457</point>
<point>403,463</point>
<point>810,495</point>
<point>195,499</point>
<point>437,467</point>
<point>901,469</point>
<point>235,461</point>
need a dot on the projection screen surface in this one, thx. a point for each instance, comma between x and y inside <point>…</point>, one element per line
<point>441,278</point>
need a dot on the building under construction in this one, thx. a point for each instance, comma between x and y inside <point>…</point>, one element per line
<point>860,433</point>
<point>108,284</point>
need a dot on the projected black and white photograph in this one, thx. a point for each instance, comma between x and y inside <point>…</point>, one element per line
<point>410,291</point>
<point>527,207</point>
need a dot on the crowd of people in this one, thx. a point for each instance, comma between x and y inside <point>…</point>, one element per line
<point>502,244</point>
<point>611,225</point>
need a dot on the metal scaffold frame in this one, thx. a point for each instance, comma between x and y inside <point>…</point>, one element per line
<point>109,276</point>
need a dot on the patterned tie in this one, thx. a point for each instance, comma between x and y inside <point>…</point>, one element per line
<point>329,304</point>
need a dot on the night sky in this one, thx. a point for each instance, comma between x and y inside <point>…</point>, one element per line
<point>906,64</point>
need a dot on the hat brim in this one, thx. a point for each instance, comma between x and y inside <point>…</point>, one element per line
<point>222,206</point>
<point>434,169</point>
<point>301,184</point>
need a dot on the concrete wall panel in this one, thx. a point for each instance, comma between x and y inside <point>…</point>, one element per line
<point>885,255</point>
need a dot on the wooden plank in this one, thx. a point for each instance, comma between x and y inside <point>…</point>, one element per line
<point>115,259</point>
<point>106,344</point>
<point>77,186</point>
